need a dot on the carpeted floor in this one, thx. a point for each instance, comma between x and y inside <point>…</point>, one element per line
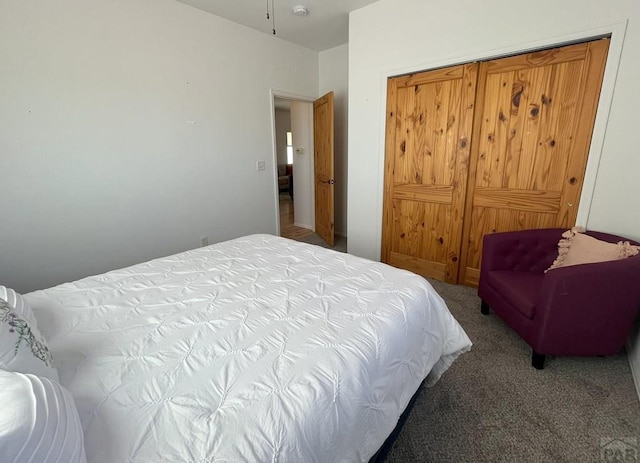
<point>492,406</point>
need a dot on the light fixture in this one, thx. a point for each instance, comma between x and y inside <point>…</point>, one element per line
<point>300,10</point>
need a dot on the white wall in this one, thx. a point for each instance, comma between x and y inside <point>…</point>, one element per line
<point>303,180</point>
<point>283,125</point>
<point>128,129</point>
<point>334,76</point>
<point>396,36</point>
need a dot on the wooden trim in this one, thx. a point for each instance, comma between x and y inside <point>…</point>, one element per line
<point>431,194</point>
<point>473,166</point>
<point>461,174</point>
<point>471,277</point>
<point>323,100</point>
<point>522,200</point>
<point>546,57</point>
<point>423,267</point>
<point>387,210</point>
<point>429,77</point>
<point>595,64</point>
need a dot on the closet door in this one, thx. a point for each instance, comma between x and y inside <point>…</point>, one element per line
<point>533,124</point>
<point>429,122</point>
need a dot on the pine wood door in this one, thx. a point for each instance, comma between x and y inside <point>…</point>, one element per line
<point>532,131</point>
<point>429,122</point>
<point>323,167</point>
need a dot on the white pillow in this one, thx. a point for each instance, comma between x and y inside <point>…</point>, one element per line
<point>38,421</point>
<point>22,347</point>
<point>18,303</point>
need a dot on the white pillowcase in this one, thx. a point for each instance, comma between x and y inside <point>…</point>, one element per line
<point>18,303</point>
<point>22,347</point>
<point>38,421</point>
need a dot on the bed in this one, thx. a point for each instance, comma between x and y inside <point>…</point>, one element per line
<point>258,349</point>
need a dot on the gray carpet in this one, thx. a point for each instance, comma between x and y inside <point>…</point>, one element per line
<point>492,406</point>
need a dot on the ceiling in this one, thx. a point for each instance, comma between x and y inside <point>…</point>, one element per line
<point>326,26</point>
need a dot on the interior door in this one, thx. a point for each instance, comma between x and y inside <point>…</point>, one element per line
<point>323,167</point>
<point>533,125</point>
<point>429,122</point>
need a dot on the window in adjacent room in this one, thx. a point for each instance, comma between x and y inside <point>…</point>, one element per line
<point>289,148</point>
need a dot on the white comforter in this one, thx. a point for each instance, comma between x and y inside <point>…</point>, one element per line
<point>258,349</point>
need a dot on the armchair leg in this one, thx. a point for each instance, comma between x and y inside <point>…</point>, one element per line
<point>484,308</point>
<point>537,360</point>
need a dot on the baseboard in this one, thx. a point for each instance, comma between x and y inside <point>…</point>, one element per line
<point>634,363</point>
<point>633,354</point>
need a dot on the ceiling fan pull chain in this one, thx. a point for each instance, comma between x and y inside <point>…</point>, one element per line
<point>267,9</point>
<point>273,16</point>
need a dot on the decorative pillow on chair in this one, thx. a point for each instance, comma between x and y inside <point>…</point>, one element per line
<point>38,421</point>
<point>22,347</point>
<point>577,248</point>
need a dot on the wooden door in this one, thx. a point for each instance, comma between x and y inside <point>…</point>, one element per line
<point>429,122</point>
<point>323,167</point>
<point>533,125</point>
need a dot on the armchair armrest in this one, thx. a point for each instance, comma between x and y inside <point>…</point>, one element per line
<point>528,250</point>
<point>589,306</point>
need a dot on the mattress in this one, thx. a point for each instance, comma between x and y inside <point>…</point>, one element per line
<point>258,349</point>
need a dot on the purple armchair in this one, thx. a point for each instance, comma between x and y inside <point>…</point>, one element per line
<point>583,309</point>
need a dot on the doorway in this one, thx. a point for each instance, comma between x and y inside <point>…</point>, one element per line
<point>292,170</point>
<point>295,170</point>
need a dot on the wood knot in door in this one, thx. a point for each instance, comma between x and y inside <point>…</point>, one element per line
<point>451,121</point>
<point>516,94</point>
<point>535,110</point>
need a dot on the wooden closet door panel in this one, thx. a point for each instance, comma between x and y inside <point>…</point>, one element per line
<point>533,126</point>
<point>429,121</point>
